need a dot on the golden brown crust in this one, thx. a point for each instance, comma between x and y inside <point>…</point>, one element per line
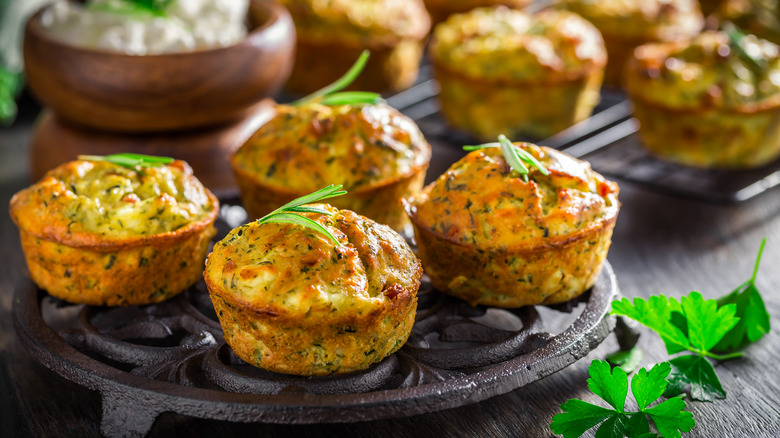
<point>76,256</point>
<point>378,154</point>
<point>489,237</point>
<point>291,301</point>
<point>441,9</point>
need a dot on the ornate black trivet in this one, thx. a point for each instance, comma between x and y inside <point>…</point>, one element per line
<point>171,357</point>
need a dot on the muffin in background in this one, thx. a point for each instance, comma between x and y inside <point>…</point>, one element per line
<point>706,102</point>
<point>377,154</point>
<point>441,9</point>
<point>489,235</point>
<point>504,71</point>
<point>99,233</point>
<point>626,24</point>
<point>290,300</point>
<point>331,35</point>
<point>757,17</point>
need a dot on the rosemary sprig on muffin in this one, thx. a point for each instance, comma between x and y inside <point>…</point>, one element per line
<point>287,213</point>
<point>129,160</point>
<point>735,41</point>
<point>517,157</point>
<point>328,95</point>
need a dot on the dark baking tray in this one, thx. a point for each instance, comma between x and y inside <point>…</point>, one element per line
<point>608,140</point>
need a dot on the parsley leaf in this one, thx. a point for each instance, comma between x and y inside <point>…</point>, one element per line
<point>669,416</point>
<point>627,360</point>
<point>692,324</point>
<point>697,372</point>
<point>753,318</point>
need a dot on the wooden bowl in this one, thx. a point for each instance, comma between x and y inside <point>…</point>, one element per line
<point>152,93</point>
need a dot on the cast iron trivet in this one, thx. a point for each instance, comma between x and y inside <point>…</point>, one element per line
<point>170,357</point>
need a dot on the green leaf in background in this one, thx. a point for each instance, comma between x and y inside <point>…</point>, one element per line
<point>696,374</point>
<point>669,416</point>
<point>10,85</point>
<point>627,360</point>
<point>130,160</point>
<point>753,317</point>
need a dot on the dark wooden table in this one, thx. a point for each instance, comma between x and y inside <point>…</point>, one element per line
<point>662,244</point>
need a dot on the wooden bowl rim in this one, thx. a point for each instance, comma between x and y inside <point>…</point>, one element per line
<point>277,14</point>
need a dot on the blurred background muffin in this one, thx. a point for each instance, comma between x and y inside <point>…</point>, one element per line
<point>625,24</point>
<point>331,34</point>
<point>757,17</point>
<point>490,235</point>
<point>377,154</point>
<point>503,71</point>
<point>101,233</point>
<point>713,101</point>
<point>441,9</point>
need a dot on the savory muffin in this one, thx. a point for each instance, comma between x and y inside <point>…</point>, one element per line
<point>626,24</point>
<point>441,9</point>
<point>292,301</point>
<point>331,35</point>
<point>375,152</point>
<point>489,237</point>
<point>503,71</point>
<point>713,101</point>
<point>99,233</point>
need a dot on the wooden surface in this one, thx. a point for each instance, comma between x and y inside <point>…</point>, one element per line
<point>128,93</point>
<point>661,244</point>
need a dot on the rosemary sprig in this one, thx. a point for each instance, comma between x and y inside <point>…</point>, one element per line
<point>735,41</point>
<point>328,95</point>
<point>129,160</point>
<point>135,8</point>
<point>286,214</point>
<point>517,157</point>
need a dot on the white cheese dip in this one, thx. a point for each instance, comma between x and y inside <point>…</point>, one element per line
<point>187,25</point>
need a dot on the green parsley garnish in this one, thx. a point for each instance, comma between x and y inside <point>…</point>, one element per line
<point>693,324</point>
<point>516,157</point>
<point>131,161</point>
<point>753,318</point>
<point>669,416</point>
<point>133,8</point>
<point>286,214</point>
<point>329,96</point>
<point>627,360</point>
<point>716,329</point>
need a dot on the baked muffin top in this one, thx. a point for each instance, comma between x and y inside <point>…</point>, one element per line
<point>84,203</point>
<point>288,271</point>
<point>662,20</point>
<point>711,70</point>
<point>362,21</point>
<point>482,201</point>
<point>307,147</point>
<point>506,44</point>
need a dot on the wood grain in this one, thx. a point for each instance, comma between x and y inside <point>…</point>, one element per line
<point>127,93</point>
